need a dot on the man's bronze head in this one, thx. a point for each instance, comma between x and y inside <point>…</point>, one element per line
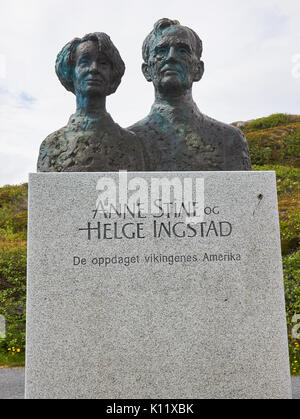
<point>91,64</point>
<point>172,56</point>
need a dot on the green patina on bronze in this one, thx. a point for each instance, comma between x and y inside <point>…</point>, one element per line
<point>92,69</point>
<point>176,135</point>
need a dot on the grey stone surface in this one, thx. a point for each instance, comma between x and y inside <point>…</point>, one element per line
<point>296,388</point>
<point>192,329</point>
<point>12,383</point>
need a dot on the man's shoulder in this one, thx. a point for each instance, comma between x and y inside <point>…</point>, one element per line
<point>141,125</point>
<point>205,123</point>
<point>236,150</point>
<point>226,131</point>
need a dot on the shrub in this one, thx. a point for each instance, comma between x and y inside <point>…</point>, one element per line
<point>290,231</point>
<point>13,292</point>
<point>291,266</point>
<point>260,155</point>
<point>279,145</point>
<point>13,212</point>
<point>269,122</point>
<point>291,145</point>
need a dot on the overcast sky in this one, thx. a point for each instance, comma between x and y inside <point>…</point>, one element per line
<point>251,54</point>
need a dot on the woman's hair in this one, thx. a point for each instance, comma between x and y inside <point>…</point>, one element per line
<point>65,62</point>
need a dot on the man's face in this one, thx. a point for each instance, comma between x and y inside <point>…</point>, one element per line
<point>171,65</point>
<point>92,73</point>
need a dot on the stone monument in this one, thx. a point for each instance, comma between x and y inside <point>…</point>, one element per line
<point>176,135</point>
<point>92,69</point>
<point>161,285</point>
<point>150,305</point>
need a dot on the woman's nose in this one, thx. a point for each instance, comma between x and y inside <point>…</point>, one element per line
<point>94,66</point>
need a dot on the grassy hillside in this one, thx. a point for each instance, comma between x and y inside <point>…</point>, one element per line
<point>274,140</point>
<point>13,235</point>
<point>274,145</point>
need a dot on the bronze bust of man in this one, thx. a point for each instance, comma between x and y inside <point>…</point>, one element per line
<point>92,69</point>
<point>176,135</point>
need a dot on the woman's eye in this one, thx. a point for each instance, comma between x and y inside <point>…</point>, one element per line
<point>83,62</point>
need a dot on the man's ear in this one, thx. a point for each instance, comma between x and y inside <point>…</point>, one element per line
<point>146,72</point>
<point>199,71</point>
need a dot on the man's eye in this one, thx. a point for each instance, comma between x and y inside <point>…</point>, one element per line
<point>161,51</point>
<point>184,51</point>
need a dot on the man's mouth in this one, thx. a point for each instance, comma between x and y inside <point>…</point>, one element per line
<point>169,71</point>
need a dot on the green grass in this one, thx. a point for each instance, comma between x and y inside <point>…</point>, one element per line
<point>8,360</point>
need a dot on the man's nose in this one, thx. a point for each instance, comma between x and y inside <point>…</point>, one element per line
<point>172,54</point>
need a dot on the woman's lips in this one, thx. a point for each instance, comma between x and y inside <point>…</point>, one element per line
<point>96,81</point>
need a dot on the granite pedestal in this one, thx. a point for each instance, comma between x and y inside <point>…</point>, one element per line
<point>158,309</point>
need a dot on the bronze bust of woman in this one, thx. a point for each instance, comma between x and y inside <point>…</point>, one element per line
<point>92,69</point>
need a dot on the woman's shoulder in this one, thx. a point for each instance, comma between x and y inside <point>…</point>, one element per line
<point>50,148</point>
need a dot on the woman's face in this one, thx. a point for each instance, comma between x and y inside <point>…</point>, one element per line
<point>92,73</point>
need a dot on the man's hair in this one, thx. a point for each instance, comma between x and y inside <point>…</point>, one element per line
<point>65,62</point>
<point>159,27</point>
